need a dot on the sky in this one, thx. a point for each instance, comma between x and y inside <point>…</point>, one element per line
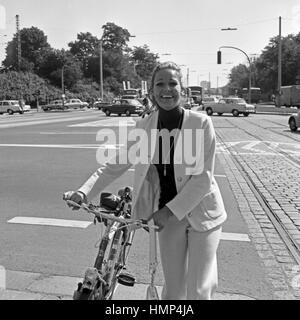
<point>187,32</point>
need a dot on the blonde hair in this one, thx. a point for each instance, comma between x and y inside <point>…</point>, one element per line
<point>161,66</point>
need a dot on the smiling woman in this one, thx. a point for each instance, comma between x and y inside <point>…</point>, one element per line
<point>186,205</point>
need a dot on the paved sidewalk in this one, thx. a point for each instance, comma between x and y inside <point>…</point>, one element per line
<point>271,177</point>
<point>36,286</point>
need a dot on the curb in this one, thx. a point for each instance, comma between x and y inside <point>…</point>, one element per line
<point>36,286</point>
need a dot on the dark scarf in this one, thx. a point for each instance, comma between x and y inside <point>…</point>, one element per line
<point>170,119</point>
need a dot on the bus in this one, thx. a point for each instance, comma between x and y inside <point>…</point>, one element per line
<point>195,92</point>
<point>132,92</point>
<point>255,94</point>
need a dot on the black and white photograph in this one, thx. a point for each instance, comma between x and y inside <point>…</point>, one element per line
<point>150,150</point>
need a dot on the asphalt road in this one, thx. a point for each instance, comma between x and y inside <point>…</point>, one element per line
<point>45,154</point>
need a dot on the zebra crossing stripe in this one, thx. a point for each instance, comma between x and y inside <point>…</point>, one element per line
<point>50,222</point>
<point>84,224</point>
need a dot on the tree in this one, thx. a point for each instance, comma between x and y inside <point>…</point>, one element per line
<point>144,61</point>
<point>53,63</point>
<point>33,44</point>
<point>24,85</point>
<point>85,46</point>
<point>114,37</point>
<point>239,77</point>
<point>267,64</point>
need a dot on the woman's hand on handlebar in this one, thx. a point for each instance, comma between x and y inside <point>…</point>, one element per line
<point>75,196</point>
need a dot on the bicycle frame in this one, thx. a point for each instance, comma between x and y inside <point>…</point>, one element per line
<point>100,281</point>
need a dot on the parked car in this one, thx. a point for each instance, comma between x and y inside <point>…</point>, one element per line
<point>100,104</point>
<point>189,103</point>
<point>26,107</point>
<point>75,104</point>
<point>55,105</point>
<point>129,96</point>
<point>211,99</point>
<point>294,121</point>
<point>124,106</point>
<point>233,105</point>
<point>207,100</point>
<point>10,107</point>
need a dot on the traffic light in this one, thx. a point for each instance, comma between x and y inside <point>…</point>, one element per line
<point>219,57</point>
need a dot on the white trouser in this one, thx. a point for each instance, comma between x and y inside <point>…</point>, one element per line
<point>189,261</point>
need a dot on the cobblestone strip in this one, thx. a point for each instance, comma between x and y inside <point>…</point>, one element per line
<point>282,270</point>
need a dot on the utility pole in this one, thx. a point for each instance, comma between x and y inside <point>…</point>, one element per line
<point>18,42</point>
<point>63,86</point>
<point>101,70</point>
<point>187,77</point>
<point>279,65</point>
<point>62,80</point>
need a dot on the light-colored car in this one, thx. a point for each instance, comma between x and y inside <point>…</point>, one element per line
<point>75,104</point>
<point>207,100</point>
<point>211,99</point>
<point>10,107</point>
<point>294,121</point>
<point>55,105</point>
<point>233,105</point>
<point>26,108</point>
<point>189,103</point>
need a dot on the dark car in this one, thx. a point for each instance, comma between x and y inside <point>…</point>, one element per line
<point>101,104</point>
<point>55,105</point>
<point>124,106</point>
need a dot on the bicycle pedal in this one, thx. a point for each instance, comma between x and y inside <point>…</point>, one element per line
<point>126,279</point>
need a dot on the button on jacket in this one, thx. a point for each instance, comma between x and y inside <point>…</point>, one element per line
<point>198,196</point>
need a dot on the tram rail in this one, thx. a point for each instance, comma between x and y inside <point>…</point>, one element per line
<point>286,236</point>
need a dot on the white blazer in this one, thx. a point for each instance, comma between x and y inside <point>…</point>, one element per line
<point>198,196</point>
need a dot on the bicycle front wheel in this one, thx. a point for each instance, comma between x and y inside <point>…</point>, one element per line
<point>113,264</point>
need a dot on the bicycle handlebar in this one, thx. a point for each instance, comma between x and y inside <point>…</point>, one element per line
<point>105,214</point>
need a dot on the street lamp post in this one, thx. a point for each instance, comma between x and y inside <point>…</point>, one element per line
<point>249,91</point>
<point>63,86</point>
<point>279,64</point>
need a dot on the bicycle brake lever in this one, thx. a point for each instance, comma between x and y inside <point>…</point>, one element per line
<point>73,204</point>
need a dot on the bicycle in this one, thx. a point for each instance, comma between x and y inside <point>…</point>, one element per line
<point>99,282</point>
